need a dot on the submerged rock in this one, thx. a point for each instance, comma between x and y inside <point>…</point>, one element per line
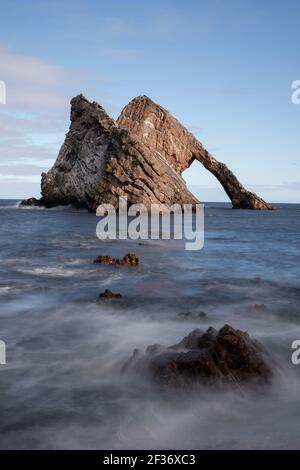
<point>128,260</point>
<point>109,295</point>
<point>260,307</point>
<point>193,315</point>
<point>224,356</point>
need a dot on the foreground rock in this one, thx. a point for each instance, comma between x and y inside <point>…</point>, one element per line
<point>141,157</point>
<point>227,356</point>
<point>109,295</point>
<point>129,260</point>
<point>162,133</point>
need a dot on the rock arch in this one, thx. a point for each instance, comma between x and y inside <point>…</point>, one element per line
<point>140,156</point>
<point>164,134</point>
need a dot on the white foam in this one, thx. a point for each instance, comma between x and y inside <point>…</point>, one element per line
<point>54,271</point>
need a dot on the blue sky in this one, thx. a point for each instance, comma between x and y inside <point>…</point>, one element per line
<point>224,68</point>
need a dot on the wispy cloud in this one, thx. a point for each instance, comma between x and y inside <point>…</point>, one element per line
<point>287,185</point>
<point>35,118</point>
<point>14,188</point>
<point>21,170</point>
<point>119,53</point>
<point>28,69</point>
<point>31,81</point>
<point>117,26</point>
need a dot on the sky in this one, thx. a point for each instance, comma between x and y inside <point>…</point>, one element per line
<point>224,68</point>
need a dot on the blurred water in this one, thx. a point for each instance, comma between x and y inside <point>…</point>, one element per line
<point>62,387</point>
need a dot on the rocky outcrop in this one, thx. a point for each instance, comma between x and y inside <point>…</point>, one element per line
<point>100,161</point>
<point>227,356</point>
<point>32,202</point>
<point>193,316</point>
<point>140,157</point>
<point>162,133</point>
<point>128,260</point>
<point>82,157</point>
<point>109,295</point>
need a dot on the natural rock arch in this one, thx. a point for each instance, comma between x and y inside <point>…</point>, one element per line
<point>161,132</point>
<point>140,156</point>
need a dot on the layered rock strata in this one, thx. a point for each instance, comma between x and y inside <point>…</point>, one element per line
<point>141,156</point>
<point>100,161</point>
<point>162,133</point>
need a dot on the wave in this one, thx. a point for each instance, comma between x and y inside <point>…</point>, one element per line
<point>68,208</point>
<point>55,271</point>
<point>10,205</point>
<point>13,289</point>
<point>6,289</point>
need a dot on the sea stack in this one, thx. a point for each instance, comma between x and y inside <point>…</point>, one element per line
<point>101,161</point>
<point>141,156</point>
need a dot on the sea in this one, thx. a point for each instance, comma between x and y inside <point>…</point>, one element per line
<point>62,386</point>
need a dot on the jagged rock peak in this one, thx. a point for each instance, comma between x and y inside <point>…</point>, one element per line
<point>82,108</point>
<point>100,161</point>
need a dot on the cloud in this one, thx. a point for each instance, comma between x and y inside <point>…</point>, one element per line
<point>116,26</point>
<point>35,83</point>
<point>21,170</point>
<point>293,185</point>
<point>28,69</point>
<point>168,22</point>
<point>120,53</point>
<point>29,138</point>
<point>35,118</point>
<point>30,81</point>
<point>287,185</point>
<point>13,188</point>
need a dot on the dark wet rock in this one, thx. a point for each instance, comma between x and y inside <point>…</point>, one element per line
<point>260,307</point>
<point>104,259</point>
<point>32,202</point>
<point>202,315</point>
<point>129,260</point>
<point>109,295</point>
<point>211,357</point>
